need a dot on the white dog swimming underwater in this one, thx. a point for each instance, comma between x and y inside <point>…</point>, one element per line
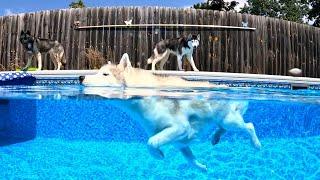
<point>178,122</point>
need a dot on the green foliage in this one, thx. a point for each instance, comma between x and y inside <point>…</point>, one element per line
<point>314,13</point>
<point>219,5</point>
<point>77,4</point>
<point>291,10</point>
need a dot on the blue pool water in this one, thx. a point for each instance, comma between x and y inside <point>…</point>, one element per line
<point>85,133</point>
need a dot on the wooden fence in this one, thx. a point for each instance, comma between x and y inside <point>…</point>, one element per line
<point>273,48</point>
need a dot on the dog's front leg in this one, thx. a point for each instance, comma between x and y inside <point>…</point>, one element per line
<point>179,61</point>
<point>187,153</point>
<point>191,61</point>
<point>39,61</point>
<point>28,63</point>
<point>217,135</point>
<point>166,136</point>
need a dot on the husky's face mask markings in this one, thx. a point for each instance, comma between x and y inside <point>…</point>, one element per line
<point>27,40</point>
<point>194,41</point>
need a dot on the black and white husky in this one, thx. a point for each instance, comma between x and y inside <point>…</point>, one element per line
<point>179,46</point>
<point>36,46</point>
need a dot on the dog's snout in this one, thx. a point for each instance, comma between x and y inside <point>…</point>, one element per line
<point>81,78</point>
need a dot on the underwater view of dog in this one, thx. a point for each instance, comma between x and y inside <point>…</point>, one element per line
<point>37,46</point>
<point>171,121</point>
<point>124,74</point>
<point>182,46</point>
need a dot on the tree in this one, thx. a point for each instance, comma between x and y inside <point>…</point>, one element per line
<point>314,13</point>
<point>77,4</point>
<point>219,5</point>
<point>291,10</point>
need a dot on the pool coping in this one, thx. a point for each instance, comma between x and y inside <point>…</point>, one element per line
<point>191,75</point>
<point>200,75</point>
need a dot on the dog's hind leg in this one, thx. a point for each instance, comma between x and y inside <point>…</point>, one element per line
<point>187,153</point>
<point>164,60</point>
<point>234,120</point>
<point>61,59</point>
<point>53,59</point>
<point>217,135</point>
<point>59,65</point>
<point>251,131</point>
<point>166,136</point>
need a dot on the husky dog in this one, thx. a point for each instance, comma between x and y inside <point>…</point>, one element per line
<point>36,46</point>
<point>124,74</point>
<point>178,46</point>
<point>170,121</point>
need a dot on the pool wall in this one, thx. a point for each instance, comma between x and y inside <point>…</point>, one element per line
<point>4,113</point>
<point>105,120</point>
<point>19,121</point>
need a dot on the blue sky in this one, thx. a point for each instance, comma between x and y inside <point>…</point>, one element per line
<point>8,7</point>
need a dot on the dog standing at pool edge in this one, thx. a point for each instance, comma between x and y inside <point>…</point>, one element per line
<point>179,46</point>
<point>36,46</point>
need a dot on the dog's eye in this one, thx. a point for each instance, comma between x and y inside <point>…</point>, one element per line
<point>105,74</point>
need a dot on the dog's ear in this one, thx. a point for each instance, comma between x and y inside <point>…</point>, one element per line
<point>28,32</point>
<point>125,61</point>
<point>22,32</point>
<point>198,37</point>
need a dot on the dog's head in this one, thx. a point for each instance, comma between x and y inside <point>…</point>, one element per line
<point>109,74</point>
<point>26,39</point>
<point>194,40</point>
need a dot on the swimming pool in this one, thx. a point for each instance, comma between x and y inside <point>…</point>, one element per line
<point>70,131</point>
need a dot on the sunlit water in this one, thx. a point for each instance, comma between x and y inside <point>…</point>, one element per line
<point>85,133</point>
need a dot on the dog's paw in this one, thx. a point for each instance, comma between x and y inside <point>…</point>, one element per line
<point>25,69</point>
<point>215,140</point>
<point>257,144</point>
<point>156,153</point>
<point>200,166</point>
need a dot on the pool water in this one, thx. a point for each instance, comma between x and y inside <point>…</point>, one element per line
<point>85,133</point>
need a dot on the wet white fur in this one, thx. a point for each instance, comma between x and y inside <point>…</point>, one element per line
<point>178,122</point>
<point>124,74</point>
